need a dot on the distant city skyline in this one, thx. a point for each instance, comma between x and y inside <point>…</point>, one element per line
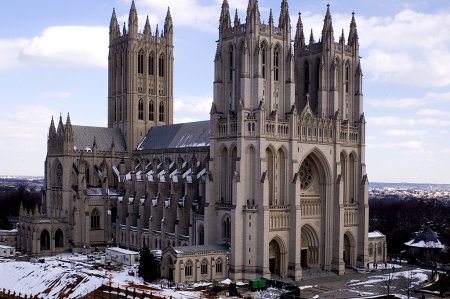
<point>48,69</point>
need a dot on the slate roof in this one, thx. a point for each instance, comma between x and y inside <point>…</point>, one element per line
<point>427,238</point>
<point>194,134</point>
<point>201,248</point>
<point>84,138</point>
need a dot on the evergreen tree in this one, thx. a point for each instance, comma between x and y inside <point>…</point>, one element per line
<point>148,265</point>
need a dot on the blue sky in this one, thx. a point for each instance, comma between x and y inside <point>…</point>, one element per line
<point>53,59</point>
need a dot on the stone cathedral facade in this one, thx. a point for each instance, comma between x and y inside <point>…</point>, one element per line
<point>274,183</point>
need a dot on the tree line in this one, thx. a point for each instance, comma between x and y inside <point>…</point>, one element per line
<point>399,218</point>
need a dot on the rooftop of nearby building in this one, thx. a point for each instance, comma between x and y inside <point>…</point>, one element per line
<point>84,137</point>
<point>427,238</point>
<point>194,134</point>
<point>121,250</point>
<point>201,248</point>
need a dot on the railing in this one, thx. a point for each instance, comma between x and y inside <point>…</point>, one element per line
<point>310,206</point>
<point>279,218</point>
<point>351,214</point>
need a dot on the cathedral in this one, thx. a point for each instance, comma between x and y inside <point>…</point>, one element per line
<point>273,184</point>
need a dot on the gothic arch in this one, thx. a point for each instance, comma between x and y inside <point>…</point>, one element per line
<point>270,174</point>
<point>352,177</point>
<point>309,247</point>
<point>281,171</point>
<point>226,228</point>
<point>59,238</point>
<point>321,162</point>
<point>349,249</point>
<point>251,174</point>
<point>277,253</point>
<point>201,235</point>
<point>58,172</point>
<point>344,175</point>
<point>45,240</point>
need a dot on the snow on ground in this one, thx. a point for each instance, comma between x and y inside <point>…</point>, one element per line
<point>72,276</point>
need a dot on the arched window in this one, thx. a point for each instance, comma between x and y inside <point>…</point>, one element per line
<point>346,78</point>
<point>115,111</point>
<point>59,175</point>
<point>263,62</point>
<point>140,65</point>
<point>231,64</point>
<point>151,64</point>
<point>188,268</point>
<point>226,229</point>
<point>306,68</point>
<point>151,110</point>
<point>276,64</point>
<point>219,265</point>
<point>201,235</point>
<point>161,111</point>
<point>113,214</point>
<point>141,109</point>
<point>95,219</point>
<point>161,66</point>
<point>45,240</point>
<point>204,267</point>
<point>120,109</point>
<point>59,238</point>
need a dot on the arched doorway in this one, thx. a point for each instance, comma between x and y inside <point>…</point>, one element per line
<point>45,240</point>
<point>274,258</point>
<point>168,269</point>
<point>309,247</point>
<point>59,238</point>
<point>348,253</point>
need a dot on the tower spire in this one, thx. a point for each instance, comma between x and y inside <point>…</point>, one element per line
<point>133,21</point>
<point>253,14</point>
<point>271,18</point>
<point>327,31</point>
<point>236,20</point>
<point>299,35</point>
<point>353,34</point>
<point>147,28</point>
<point>284,20</point>
<point>52,129</point>
<point>113,26</point>
<point>311,38</point>
<point>168,23</point>
<point>225,20</point>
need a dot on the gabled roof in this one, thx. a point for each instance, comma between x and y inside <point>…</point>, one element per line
<point>195,134</point>
<point>198,248</point>
<point>427,238</point>
<point>84,138</point>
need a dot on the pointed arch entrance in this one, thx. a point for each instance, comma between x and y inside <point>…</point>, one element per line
<point>59,238</point>
<point>168,269</point>
<point>45,240</point>
<point>309,247</point>
<point>276,257</point>
<point>349,249</point>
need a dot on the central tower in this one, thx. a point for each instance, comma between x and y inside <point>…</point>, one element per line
<point>140,77</point>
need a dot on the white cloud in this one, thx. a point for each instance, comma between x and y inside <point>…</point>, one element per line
<point>25,123</point>
<point>24,130</point>
<point>192,108</point>
<point>69,45</point>
<point>409,48</point>
<point>398,121</point>
<point>55,95</point>
<point>409,145</point>
<point>58,45</point>
<point>426,100</point>
<point>404,133</point>
<point>10,52</point>
<point>433,112</point>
